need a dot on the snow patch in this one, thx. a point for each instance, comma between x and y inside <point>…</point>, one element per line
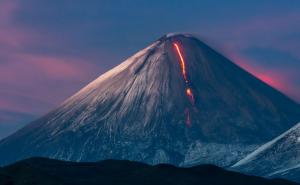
<point>266,146</point>
<point>216,153</point>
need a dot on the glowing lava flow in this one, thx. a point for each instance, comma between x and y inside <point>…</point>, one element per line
<point>188,90</point>
<point>182,62</point>
<point>190,95</point>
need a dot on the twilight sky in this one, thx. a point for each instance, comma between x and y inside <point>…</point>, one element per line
<point>49,49</point>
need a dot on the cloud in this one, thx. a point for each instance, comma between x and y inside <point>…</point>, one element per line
<point>273,40</point>
<point>282,79</point>
<point>43,78</point>
<point>33,81</point>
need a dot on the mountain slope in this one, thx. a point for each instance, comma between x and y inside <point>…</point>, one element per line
<point>50,172</point>
<point>292,174</point>
<point>277,158</point>
<point>177,101</point>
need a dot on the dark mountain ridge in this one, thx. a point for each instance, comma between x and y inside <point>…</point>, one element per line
<point>42,171</point>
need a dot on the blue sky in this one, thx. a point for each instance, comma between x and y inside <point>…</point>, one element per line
<point>49,49</point>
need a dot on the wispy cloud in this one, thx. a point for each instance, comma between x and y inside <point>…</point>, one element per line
<point>46,79</point>
<point>277,32</point>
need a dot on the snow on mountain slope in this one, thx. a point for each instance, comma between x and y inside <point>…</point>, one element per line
<point>177,101</point>
<point>276,158</point>
<point>292,174</point>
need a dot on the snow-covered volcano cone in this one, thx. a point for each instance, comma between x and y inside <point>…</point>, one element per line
<point>177,101</point>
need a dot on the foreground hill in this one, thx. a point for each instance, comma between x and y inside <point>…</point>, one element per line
<point>42,171</point>
<point>277,158</point>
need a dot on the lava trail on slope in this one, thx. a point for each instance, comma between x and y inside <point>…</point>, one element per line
<point>188,89</point>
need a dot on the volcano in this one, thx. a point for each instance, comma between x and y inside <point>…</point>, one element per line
<point>177,101</point>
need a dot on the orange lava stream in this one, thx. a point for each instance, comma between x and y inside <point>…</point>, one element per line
<point>188,91</point>
<point>182,62</point>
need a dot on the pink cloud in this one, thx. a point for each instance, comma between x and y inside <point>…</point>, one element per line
<point>14,37</point>
<point>58,67</point>
<point>271,32</point>
<point>279,79</point>
<point>45,79</point>
<point>34,83</point>
<point>10,35</point>
<point>7,8</point>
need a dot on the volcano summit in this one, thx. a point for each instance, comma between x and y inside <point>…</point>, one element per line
<point>177,101</point>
